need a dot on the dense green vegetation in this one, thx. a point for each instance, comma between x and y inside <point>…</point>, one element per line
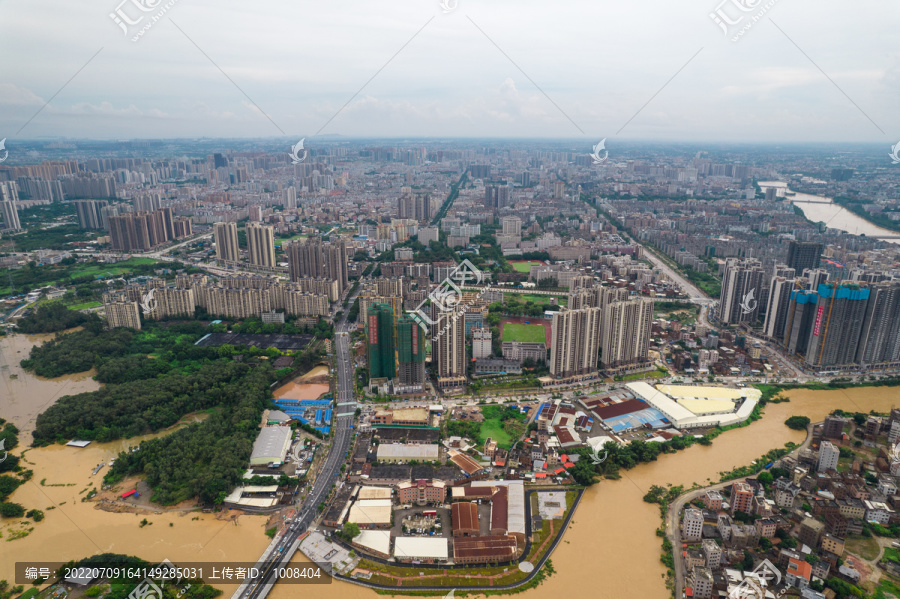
<point>209,458</point>
<point>55,238</point>
<point>52,317</point>
<point>78,351</point>
<point>798,423</point>
<point>710,284</point>
<point>153,378</point>
<point>87,277</point>
<point>9,438</point>
<point>137,407</point>
<point>454,193</point>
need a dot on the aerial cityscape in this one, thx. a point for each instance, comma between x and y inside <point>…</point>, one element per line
<point>449,299</point>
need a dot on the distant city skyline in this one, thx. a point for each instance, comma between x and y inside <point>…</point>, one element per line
<point>406,69</point>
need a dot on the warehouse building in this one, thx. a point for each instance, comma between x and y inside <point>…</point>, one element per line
<point>377,542</point>
<point>481,550</point>
<point>421,549</point>
<point>371,513</point>
<point>406,452</point>
<point>271,446</point>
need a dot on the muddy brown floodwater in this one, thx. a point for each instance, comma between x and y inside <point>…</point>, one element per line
<point>610,550</point>
<point>22,394</point>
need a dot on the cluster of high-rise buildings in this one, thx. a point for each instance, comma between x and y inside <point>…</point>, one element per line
<point>9,197</point>
<point>142,230</point>
<point>601,329</point>
<point>830,324</point>
<point>260,244</point>
<point>396,349</point>
<point>314,258</point>
<point>240,296</point>
<point>418,207</point>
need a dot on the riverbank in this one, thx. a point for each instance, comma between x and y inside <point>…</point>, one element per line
<point>26,395</point>
<point>673,533</point>
<point>826,210</point>
<point>74,528</point>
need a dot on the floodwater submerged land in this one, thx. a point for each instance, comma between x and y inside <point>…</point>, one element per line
<point>610,546</point>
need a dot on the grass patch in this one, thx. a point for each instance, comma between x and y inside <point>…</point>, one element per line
<point>85,306</point>
<point>891,555</point>
<point>526,333</point>
<point>562,300</point>
<point>866,548</point>
<point>494,429</point>
<point>637,376</point>
<point>886,588</point>
<point>525,267</point>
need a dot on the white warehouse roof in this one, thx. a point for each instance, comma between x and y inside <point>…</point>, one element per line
<point>407,451</point>
<point>271,445</point>
<point>421,548</point>
<point>371,512</point>
<point>377,540</point>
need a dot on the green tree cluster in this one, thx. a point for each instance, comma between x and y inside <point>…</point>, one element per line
<point>136,407</point>
<point>52,317</point>
<point>798,423</point>
<point>206,459</point>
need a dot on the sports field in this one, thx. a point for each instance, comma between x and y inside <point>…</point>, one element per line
<point>524,265</point>
<point>526,333</point>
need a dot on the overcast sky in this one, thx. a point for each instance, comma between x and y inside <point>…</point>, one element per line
<point>584,69</point>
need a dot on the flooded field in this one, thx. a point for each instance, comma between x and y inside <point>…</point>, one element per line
<point>74,529</point>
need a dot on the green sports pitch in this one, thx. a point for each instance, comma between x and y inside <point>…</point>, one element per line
<point>526,333</point>
<point>525,267</point>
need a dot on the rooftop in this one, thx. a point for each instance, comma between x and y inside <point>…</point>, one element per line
<point>421,547</point>
<point>272,443</point>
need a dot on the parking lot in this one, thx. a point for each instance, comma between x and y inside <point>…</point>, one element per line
<point>416,517</point>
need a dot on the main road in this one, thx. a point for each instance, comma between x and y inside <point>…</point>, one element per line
<point>282,549</point>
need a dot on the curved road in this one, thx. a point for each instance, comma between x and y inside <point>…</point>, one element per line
<point>673,531</point>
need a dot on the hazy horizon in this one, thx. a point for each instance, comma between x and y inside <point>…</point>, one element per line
<point>504,70</point>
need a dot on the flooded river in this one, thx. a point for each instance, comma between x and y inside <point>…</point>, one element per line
<point>611,549</point>
<point>22,394</point>
<point>611,546</point>
<point>821,209</point>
